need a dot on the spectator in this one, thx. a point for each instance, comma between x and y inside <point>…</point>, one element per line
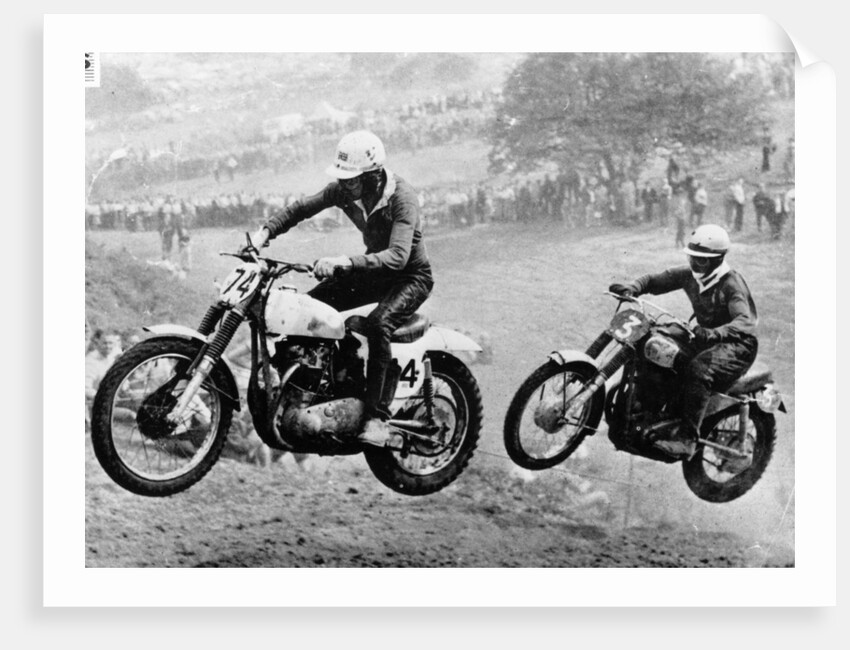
<point>102,351</point>
<point>788,164</point>
<point>680,207</point>
<point>648,197</point>
<point>672,173</point>
<point>700,203</point>
<point>690,187</point>
<point>790,205</point>
<point>664,198</point>
<point>738,201</point>
<point>767,148</point>
<point>776,215</point>
<point>762,203</point>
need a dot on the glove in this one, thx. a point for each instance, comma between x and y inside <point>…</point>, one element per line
<point>261,239</point>
<point>325,267</point>
<point>625,290</point>
<point>705,336</point>
<point>245,249</point>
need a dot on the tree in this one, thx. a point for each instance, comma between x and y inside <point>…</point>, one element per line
<point>619,107</point>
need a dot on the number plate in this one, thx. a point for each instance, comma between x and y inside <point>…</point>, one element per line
<point>629,326</point>
<point>241,282</point>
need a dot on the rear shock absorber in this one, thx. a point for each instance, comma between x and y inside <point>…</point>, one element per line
<point>428,391</point>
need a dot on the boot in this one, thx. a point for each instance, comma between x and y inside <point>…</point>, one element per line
<point>377,432</point>
<point>682,443</point>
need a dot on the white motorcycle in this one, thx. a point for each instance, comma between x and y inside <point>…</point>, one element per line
<point>163,410</point>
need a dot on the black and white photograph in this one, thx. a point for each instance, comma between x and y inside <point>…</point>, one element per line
<point>443,308</point>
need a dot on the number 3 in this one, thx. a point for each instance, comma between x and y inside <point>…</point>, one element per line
<point>626,330</point>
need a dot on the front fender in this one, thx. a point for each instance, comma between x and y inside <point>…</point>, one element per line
<point>170,331</point>
<point>443,338</point>
<point>563,357</point>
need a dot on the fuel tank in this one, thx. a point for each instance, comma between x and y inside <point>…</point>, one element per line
<point>289,313</point>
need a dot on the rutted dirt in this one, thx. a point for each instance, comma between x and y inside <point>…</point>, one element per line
<point>334,514</point>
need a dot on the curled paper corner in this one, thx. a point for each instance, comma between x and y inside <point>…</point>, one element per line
<point>804,55</point>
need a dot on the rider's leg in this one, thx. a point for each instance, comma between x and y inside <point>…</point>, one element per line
<point>398,299</point>
<point>398,305</point>
<point>715,368</point>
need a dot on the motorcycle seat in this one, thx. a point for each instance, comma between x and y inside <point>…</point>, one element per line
<point>411,330</point>
<point>755,378</point>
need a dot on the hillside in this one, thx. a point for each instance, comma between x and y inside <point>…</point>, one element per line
<point>535,289</point>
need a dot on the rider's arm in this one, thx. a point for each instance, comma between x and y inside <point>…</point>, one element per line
<point>300,210</point>
<point>741,308</point>
<point>664,282</point>
<point>404,208</point>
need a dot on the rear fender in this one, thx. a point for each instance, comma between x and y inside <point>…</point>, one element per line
<point>443,338</point>
<point>230,391</point>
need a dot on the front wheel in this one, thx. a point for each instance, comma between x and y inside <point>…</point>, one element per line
<point>537,432</point>
<point>428,467</point>
<point>135,443</point>
<point>720,477</point>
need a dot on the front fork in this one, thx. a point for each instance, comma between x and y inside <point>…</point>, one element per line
<point>210,358</point>
<point>614,363</point>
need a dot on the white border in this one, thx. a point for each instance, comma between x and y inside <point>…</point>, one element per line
<point>67,582</point>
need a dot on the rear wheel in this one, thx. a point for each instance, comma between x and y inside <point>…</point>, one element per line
<point>134,441</point>
<point>720,477</point>
<point>537,434</point>
<point>430,465</point>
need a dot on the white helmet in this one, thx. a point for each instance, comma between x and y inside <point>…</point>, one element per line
<point>708,241</point>
<point>357,152</point>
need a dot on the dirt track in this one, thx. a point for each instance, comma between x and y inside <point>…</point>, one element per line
<point>335,514</point>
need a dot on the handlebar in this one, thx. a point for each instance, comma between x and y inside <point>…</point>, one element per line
<point>283,266</point>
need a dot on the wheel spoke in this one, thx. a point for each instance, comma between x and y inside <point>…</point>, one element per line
<point>538,432</point>
<point>449,410</point>
<point>150,447</point>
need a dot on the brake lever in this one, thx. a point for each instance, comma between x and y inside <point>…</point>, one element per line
<point>622,298</point>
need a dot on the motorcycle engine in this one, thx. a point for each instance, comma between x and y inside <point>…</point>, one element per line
<point>317,410</point>
<point>314,358</point>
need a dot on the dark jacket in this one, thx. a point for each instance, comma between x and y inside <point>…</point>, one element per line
<point>392,233</point>
<point>727,307</point>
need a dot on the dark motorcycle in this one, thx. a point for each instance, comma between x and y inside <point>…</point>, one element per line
<point>629,376</point>
<point>163,410</point>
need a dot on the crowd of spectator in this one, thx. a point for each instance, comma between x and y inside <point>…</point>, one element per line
<point>432,121</point>
<point>576,199</point>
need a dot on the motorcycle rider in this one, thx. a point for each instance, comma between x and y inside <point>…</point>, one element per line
<point>394,272</point>
<point>725,334</point>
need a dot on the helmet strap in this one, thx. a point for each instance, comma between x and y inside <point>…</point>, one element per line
<point>373,182</point>
<point>711,276</point>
